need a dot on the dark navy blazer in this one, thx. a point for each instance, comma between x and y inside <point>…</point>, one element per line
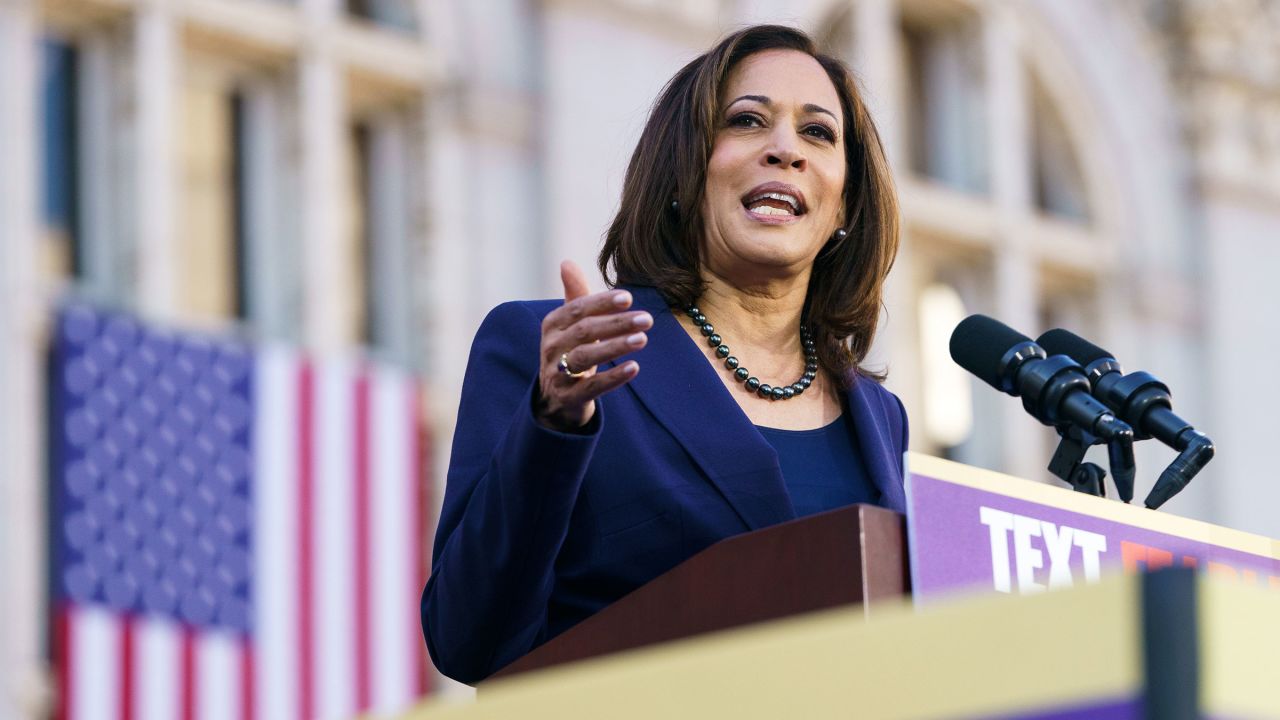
<point>541,529</point>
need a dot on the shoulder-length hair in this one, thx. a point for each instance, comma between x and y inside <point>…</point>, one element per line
<point>651,242</point>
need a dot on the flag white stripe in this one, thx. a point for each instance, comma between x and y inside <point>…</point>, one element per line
<point>157,675</point>
<point>218,678</point>
<point>275,578</point>
<point>334,540</point>
<point>391,506</point>
<point>95,670</point>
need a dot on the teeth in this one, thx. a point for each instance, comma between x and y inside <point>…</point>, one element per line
<point>780,197</point>
<point>768,210</point>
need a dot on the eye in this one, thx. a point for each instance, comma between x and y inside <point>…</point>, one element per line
<point>819,130</point>
<point>746,120</point>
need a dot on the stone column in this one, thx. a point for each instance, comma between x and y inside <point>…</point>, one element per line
<point>156,178</point>
<point>876,61</point>
<point>23,689</point>
<point>1015,269</point>
<point>328,308</point>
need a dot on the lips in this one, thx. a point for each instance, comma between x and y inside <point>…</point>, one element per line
<point>775,200</point>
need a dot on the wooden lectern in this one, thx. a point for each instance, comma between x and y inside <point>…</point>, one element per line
<point>853,555</point>
<point>1168,644</point>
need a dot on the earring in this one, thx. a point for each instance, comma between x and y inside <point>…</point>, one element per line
<point>837,239</point>
<point>675,205</point>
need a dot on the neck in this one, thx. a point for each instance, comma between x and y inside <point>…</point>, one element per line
<point>761,323</point>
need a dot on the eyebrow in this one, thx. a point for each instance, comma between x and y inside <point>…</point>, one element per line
<point>764,100</point>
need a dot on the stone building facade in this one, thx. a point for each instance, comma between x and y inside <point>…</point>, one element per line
<point>380,173</point>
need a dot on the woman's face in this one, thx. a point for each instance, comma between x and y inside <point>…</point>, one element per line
<point>775,181</point>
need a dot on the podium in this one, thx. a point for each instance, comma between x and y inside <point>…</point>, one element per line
<point>851,556</point>
<point>1171,645</point>
<point>1026,601</point>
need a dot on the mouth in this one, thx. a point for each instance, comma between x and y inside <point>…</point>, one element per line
<point>774,202</point>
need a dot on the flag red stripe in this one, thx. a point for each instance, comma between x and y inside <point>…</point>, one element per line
<point>306,512</point>
<point>127,667</point>
<point>62,658</point>
<point>363,588</point>
<point>247,698</point>
<point>189,672</point>
<point>421,496</point>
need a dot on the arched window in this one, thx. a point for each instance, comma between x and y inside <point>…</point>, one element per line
<point>1059,185</point>
<point>945,87</point>
<point>995,201</point>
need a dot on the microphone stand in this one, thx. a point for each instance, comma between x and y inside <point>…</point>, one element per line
<point>1044,387</point>
<point>1068,463</point>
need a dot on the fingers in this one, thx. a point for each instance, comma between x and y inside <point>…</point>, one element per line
<point>574,280</point>
<point>572,311</point>
<point>590,330</point>
<point>584,390</point>
<point>594,329</point>
<point>587,356</point>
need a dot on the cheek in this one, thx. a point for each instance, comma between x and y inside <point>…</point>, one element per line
<point>833,188</point>
<point>713,186</point>
<point>728,161</point>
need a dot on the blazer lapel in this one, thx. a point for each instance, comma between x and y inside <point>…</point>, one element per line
<point>871,426</point>
<point>681,389</point>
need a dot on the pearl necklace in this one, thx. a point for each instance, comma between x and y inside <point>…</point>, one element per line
<point>742,375</point>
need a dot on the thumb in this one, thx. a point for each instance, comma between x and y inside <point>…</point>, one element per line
<point>575,281</point>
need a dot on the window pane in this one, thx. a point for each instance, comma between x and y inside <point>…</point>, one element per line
<point>59,158</point>
<point>948,417</point>
<point>267,244</point>
<point>392,13</point>
<point>210,287</point>
<point>947,101</point>
<point>380,226</point>
<point>835,35</point>
<point>1059,185</point>
<point>361,236</point>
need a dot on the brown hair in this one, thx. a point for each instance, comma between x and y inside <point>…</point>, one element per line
<point>650,243</point>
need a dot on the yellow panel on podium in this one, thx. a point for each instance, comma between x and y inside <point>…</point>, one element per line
<point>1169,644</point>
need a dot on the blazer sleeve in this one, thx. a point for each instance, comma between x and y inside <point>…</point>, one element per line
<point>511,488</point>
<point>906,435</point>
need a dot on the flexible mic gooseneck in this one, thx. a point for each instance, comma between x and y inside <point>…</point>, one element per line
<point>1142,401</point>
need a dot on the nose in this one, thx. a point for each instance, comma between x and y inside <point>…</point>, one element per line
<point>785,151</point>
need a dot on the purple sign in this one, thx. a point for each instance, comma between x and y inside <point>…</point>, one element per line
<point>974,530</point>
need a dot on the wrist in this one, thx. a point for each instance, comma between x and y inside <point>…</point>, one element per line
<point>560,421</point>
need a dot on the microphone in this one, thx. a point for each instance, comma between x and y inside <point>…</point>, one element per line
<point>1054,390</point>
<point>1142,401</point>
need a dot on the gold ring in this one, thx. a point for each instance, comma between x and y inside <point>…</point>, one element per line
<point>563,366</point>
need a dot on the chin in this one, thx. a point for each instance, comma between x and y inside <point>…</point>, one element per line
<point>774,248</point>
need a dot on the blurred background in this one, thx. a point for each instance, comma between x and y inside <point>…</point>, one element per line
<point>337,191</point>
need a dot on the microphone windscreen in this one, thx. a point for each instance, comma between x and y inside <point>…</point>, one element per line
<point>1065,342</point>
<point>979,343</point>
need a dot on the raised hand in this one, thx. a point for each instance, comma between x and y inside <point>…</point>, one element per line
<point>588,330</point>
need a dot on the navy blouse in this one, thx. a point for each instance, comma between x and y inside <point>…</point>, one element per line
<point>823,468</point>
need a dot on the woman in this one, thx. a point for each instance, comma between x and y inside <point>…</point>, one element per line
<point>604,439</point>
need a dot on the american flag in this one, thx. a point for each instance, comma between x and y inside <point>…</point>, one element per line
<point>238,532</point>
